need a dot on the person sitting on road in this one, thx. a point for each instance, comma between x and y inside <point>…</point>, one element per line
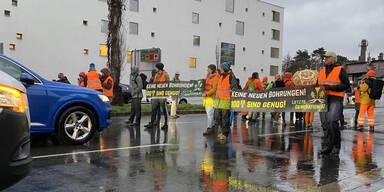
<point>62,78</point>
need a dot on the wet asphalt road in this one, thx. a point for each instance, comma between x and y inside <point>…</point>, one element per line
<point>261,157</point>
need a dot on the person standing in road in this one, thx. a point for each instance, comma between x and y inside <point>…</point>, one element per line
<point>288,83</point>
<point>226,83</point>
<point>176,79</point>
<point>208,97</point>
<point>160,77</point>
<point>137,95</point>
<point>92,79</point>
<point>253,84</point>
<point>62,78</point>
<point>357,101</point>
<point>80,80</point>
<point>335,81</point>
<point>367,103</point>
<point>107,83</point>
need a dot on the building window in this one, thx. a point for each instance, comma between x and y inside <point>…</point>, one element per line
<point>263,14</point>
<point>12,46</point>
<point>19,36</point>
<point>276,16</point>
<point>195,18</point>
<point>103,50</point>
<point>1,48</point>
<point>273,70</point>
<point>246,9</point>
<point>152,34</point>
<point>7,13</point>
<point>192,62</point>
<point>229,5</point>
<point>263,33</point>
<point>104,26</point>
<point>243,48</point>
<point>262,52</point>
<point>154,10</point>
<point>274,52</point>
<point>85,22</point>
<point>275,34</point>
<point>134,5</point>
<point>239,27</point>
<point>14,3</point>
<point>220,24</point>
<point>85,51</point>
<point>196,40</point>
<point>133,28</point>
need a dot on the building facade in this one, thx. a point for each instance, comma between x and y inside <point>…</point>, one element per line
<point>52,36</point>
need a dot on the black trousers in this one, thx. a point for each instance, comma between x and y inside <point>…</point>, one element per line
<point>156,105</point>
<point>330,124</point>
<point>290,116</point>
<point>357,109</point>
<point>135,110</point>
<point>222,120</point>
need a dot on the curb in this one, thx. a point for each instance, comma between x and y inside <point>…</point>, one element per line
<point>184,112</point>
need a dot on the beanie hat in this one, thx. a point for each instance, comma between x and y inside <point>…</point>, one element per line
<point>160,66</point>
<point>226,65</point>
<point>92,65</point>
<point>265,79</point>
<point>277,76</point>
<point>371,73</point>
<point>255,75</point>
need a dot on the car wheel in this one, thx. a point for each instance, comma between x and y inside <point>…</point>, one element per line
<point>183,101</point>
<point>76,125</point>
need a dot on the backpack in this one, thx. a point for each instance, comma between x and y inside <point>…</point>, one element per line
<point>376,87</point>
<point>143,80</point>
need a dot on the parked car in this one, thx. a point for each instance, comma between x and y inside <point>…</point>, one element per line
<point>72,113</point>
<point>14,137</point>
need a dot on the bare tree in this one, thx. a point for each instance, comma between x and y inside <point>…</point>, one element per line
<point>114,43</point>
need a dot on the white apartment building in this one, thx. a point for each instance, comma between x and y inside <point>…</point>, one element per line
<point>52,36</point>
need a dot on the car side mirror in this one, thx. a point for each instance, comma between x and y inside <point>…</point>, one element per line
<point>27,79</point>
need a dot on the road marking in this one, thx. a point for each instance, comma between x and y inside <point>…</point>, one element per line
<point>286,133</point>
<point>98,151</point>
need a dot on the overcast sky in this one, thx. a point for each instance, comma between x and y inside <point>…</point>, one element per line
<point>336,25</point>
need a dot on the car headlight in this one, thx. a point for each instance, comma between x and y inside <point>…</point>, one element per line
<point>13,99</point>
<point>104,98</point>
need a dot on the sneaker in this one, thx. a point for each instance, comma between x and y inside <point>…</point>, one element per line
<point>291,123</point>
<point>164,127</point>
<point>360,127</point>
<point>129,122</point>
<point>209,131</point>
<point>371,128</point>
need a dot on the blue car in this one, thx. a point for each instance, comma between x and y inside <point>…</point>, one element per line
<point>72,113</point>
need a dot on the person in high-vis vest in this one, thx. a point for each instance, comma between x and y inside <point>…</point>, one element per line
<point>92,79</point>
<point>367,104</point>
<point>210,88</point>
<point>335,81</point>
<point>80,80</point>
<point>226,83</point>
<point>253,84</point>
<point>107,83</point>
<point>160,77</point>
<point>357,101</point>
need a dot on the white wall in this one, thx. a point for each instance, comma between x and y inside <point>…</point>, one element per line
<point>54,36</point>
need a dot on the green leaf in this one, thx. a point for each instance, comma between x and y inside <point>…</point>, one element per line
<point>313,95</point>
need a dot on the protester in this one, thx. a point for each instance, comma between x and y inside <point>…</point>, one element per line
<point>62,78</point>
<point>357,100</point>
<point>288,83</point>
<point>335,81</point>
<point>160,77</point>
<point>276,83</point>
<point>252,84</point>
<point>107,83</point>
<point>226,83</point>
<point>367,103</point>
<point>80,80</point>
<point>208,96</point>
<point>265,82</point>
<point>137,95</point>
<point>176,79</point>
<point>92,79</point>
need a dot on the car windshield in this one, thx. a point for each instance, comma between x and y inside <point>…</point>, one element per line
<point>12,69</point>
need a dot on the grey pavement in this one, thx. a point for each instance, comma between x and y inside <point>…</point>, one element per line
<point>261,156</point>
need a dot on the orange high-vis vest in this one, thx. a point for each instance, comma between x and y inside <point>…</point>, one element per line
<point>209,83</point>
<point>224,88</point>
<point>162,78</point>
<point>108,92</point>
<point>93,81</point>
<point>81,84</point>
<point>357,95</point>
<point>332,79</point>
